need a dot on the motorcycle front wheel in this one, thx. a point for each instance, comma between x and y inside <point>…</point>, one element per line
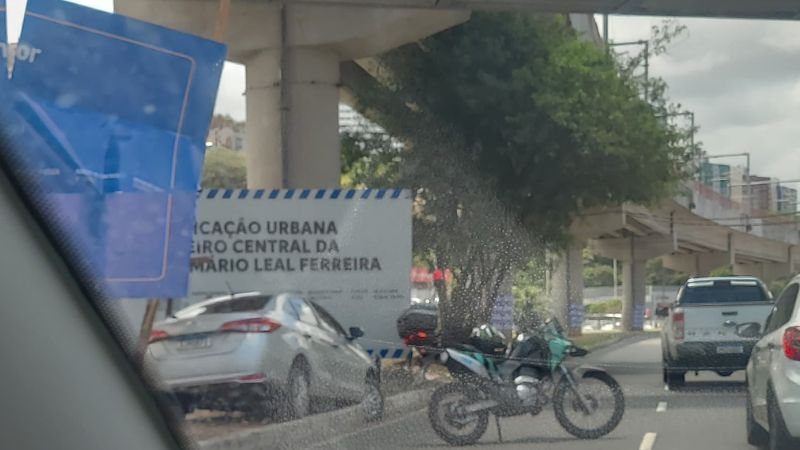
<point>605,405</point>
<point>448,418</point>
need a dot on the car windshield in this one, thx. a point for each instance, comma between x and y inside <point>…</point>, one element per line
<point>299,211</point>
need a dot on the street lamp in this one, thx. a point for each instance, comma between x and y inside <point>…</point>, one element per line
<point>646,45</point>
<point>688,114</point>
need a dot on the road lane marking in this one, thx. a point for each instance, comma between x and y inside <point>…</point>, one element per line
<point>648,441</point>
<point>662,406</point>
<point>381,424</point>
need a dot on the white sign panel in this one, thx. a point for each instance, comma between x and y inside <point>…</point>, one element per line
<point>503,312</point>
<point>348,250</point>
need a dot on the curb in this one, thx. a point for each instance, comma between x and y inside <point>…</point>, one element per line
<point>632,336</point>
<point>303,433</point>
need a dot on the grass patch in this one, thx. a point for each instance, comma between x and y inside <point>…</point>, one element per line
<point>592,340</point>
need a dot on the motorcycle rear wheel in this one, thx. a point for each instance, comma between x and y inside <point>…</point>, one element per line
<point>453,427</point>
<point>565,401</point>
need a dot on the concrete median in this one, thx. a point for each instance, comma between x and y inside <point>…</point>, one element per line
<point>305,432</point>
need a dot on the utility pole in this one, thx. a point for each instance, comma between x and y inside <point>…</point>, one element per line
<point>646,45</point>
<point>690,115</point>
<point>605,30</point>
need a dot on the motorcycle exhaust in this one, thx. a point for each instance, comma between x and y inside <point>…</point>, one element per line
<point>480,406</point>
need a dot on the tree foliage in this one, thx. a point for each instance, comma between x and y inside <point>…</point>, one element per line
<point>530,302</point>
<point>510,126</point>
<point>367,159</point>
<point>224,169</point>
<point>658,275</point>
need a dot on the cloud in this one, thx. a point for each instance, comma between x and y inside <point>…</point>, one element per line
<point>742,80</point>
<point>230,97</point>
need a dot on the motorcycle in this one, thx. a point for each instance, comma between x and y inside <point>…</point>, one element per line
<point>522,379</point>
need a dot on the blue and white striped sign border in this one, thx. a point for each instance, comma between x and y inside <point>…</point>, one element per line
<point>388,353</point>
<point>306,194</point>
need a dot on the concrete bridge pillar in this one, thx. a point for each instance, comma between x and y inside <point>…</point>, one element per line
<point>634,251</point>
<point>697,264</point>
<point>292,133</point>
<point>567,287</point>
<point>633,294</point>
<point>292,54</point>
<point>766,271</point>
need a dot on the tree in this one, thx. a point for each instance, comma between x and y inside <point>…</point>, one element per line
<point>530,302</point>
<point>659,275</point>
<point>367,158</point>
<point>598,275</point>
<point>224,169</point>
<point>511,125</point>
<point>724,271</point>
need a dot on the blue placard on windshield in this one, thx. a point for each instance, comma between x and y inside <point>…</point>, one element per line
<point>110,115</point>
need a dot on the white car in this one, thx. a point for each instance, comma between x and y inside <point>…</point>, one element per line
<point>773,375</point>
<point>261,354</point>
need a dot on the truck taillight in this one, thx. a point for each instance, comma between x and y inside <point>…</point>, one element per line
<point>678,323</point>
<point>259,325</point>
<point>791,343</point>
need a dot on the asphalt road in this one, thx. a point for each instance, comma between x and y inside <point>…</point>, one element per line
<point>707,414</point>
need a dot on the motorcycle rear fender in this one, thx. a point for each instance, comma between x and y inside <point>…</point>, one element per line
<point>582,371</point>
<point>467,361</point>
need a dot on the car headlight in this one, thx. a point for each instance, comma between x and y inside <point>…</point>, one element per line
<point>443,357</point>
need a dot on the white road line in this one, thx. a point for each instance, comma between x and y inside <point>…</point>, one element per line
<point>662,406</point>
<point>382,424</point>
<point>648,441</point>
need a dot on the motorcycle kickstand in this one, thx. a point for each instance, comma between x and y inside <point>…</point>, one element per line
<point>499,431</point>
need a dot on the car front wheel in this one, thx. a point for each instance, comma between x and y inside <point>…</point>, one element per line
<point>372,402</point>
<point>779,438</point>
<point>756,434</point>
<point>298,396</point>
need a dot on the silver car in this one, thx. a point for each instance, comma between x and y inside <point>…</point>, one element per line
<point>773,375</point>
<point>262,354</point>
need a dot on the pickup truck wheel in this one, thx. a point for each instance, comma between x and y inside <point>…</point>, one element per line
<point>725,373</point>
<point>674,378</point>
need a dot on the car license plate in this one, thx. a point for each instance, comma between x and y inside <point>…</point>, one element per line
<point>728,349</point>
<point>194,343</point>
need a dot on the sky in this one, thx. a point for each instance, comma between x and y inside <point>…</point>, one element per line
<point>741,78</point>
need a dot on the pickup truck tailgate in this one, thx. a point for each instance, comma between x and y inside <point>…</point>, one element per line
<point>717,323</point>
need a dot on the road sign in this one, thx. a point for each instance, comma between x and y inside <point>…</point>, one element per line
<point>110,115</point>
<point>349,250</point>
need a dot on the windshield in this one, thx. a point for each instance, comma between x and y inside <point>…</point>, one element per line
<point>379,179</point>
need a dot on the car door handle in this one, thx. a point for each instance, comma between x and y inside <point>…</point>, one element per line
<point>771,346</point>
<point>307,336</point>
<point>334,344</point>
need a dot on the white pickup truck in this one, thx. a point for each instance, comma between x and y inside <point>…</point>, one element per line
<point>700,331</point>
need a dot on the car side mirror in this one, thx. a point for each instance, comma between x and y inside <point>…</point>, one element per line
<point>748,330</point>
<point>355,333</point>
